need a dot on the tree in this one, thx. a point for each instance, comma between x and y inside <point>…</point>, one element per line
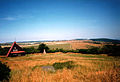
<point>0,50</point>
<point>42,47</point>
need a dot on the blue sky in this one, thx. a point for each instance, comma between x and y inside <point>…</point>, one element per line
<point>59,19</point>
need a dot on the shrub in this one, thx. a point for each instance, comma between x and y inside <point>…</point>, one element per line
<point>59,65</point>
<point>4,51</point>
<point>93,50</point>
<point>112,50</point>
<point>30,50</point>
<point>4,72</point>
<point>51,51</point>
<point>0,50</point>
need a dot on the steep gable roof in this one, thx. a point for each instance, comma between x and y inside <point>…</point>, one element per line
<point>11,50</point>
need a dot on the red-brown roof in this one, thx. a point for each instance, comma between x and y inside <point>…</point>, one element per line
<point>10,50</point>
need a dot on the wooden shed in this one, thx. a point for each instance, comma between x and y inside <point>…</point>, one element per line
<point>15,50</point>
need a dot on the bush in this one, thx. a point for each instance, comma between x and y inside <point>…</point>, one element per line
<point>30,50</point>
<point>51,51</point>
<point>84,51</point>
<point>111,50</point>
<point>62,50</point>
<point>4,51</point>
<point>68,65</point>
<point>93,50</point>
<point>0,50</point>
<point>4,72</point>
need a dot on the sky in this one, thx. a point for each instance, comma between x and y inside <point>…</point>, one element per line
<point>25,20</point>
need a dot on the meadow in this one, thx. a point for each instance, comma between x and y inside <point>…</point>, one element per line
<point>60,46</point>
<point>66,45</point>
<point>86,68</point>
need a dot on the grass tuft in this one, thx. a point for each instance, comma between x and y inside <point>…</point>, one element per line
<point>67,64</point>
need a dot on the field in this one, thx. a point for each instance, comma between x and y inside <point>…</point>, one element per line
<point>67,45</point>
<point>73,44</point>
<point>82,44</point>
<point>60,46</point>
<point>87,68</point>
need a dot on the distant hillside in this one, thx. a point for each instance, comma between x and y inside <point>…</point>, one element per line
<point>80,39</point>
<point>27,41</point>
<point>106,40</point>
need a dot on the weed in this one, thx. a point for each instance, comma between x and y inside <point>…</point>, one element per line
<point>35,67</point>
<point>67,64</point>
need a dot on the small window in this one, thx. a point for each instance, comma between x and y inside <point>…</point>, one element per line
<point>15,49</point>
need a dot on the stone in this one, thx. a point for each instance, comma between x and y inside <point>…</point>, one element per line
<point>48,68</point>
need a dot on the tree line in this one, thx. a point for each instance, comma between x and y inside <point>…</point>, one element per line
<point>111,50</point>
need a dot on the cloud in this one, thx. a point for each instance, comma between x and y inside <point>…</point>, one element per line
<point>9,18</point>
<point>17,17</point>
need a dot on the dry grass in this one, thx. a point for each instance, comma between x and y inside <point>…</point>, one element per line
<point>82,45</point>
<point>87,68</point>
<point>73,44</point>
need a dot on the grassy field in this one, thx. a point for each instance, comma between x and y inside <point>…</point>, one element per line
<point>60,46</point>
<point>87,68</point>
<point>67,45</point>
<point>82,45</point>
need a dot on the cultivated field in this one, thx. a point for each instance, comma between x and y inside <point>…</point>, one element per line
<point>73,44</point>
<point>67,45</point>
<point>87,68</point>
